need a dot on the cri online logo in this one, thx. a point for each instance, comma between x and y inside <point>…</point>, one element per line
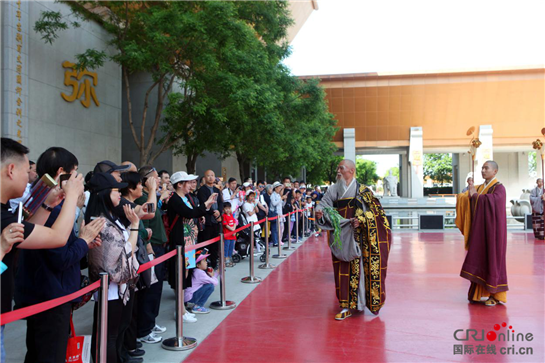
<point>493,335</point>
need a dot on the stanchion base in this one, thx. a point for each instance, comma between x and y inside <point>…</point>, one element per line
<point>184,343</point>
<point>288,248</point>
<point>251,280</point>
<point>266,266</point>
<point>280,256</point>
<point>217,305</point>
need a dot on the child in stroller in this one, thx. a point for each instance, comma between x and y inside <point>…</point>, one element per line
<point>242,245</point>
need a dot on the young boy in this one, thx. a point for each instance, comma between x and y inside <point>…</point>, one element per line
<point>229,225</point>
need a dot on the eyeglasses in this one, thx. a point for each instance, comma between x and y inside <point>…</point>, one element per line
<point>261,186</point>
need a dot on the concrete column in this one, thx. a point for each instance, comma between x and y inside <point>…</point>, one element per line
<point>416,160</point>
<point>464,170</point>
<point>455,173</point>
<point>403,175</point>
<point>539,167</point>
<point>350,144</point>
<point>15,61</point>
<point>485,152</point>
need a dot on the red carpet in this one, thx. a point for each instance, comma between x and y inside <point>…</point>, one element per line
<point>289,317</point>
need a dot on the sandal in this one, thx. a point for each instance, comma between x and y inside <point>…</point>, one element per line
<point>343,315</point>
<point>491,301</point>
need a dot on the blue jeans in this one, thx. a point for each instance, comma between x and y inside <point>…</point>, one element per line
<point>229,247</point>
<point>274,232</point>
<point>201,295</point>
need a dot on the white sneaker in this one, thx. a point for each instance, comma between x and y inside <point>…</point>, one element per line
<point>158,329</point>
<point>150,339</point>
<point>186,313</point>
<point>189,319</point>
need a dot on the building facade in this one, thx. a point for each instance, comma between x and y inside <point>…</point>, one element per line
<point>431,112</point>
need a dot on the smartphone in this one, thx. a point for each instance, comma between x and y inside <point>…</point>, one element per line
<point>151,207</point>
<point>20,213</point>
<point>64,177</point>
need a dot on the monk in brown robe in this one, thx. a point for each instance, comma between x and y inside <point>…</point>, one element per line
<point>481,218</point>
<point>363,235</point>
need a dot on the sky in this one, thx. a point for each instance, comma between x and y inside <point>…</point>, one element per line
<point>384,162</point>
<point>355,36</point>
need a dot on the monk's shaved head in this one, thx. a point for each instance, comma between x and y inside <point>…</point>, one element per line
<point>349,163</point>
<point>346,170</point>
<point>489,170</point>
<point>492,164</point>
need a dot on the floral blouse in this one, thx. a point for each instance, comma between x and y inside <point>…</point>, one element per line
<point>114,256</point>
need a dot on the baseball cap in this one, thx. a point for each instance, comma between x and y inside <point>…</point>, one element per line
<point>181,176</point>
<point>106,166</point>
<point>103,181</point>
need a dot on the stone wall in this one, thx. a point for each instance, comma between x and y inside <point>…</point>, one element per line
<point>92,133</point>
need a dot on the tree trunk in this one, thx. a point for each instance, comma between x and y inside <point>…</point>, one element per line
<point>241,161</point>
<point>191,163</point>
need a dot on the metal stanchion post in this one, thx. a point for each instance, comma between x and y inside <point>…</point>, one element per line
<point>251,279</point>
<point>223,304</point>
<point>267,265</point>
<point>102,326</point>
<point>304,224</point>
<point>280,254</point>
<point>314,221</point>
<point>289,246</point>
<point>179,342</point>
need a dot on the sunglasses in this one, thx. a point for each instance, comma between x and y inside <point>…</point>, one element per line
<point>150,171</point>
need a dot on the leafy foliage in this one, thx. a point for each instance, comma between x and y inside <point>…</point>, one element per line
<point>394,170</point>
<point>438,167</point>
<point>218,78</point>
<point>366,171</point>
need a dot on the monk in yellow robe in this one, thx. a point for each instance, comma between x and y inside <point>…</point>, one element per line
<point>481,217</point>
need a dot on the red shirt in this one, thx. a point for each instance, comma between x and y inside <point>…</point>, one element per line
<point>228,220</point>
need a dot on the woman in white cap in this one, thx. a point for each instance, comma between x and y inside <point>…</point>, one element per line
<point>181,213</point>
<point>277,202</point>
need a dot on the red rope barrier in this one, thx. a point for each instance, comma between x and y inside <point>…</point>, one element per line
<point>156,261</point>
<point>23,313</point>
<point>202,244</point>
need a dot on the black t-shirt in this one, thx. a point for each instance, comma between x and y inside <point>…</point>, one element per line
<point>7,277</point>
<point>120,212</point>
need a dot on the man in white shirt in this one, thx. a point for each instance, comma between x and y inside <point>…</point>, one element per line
<point>232,195</point>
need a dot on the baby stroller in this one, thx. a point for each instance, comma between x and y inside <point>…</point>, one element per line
<point>242,245</point>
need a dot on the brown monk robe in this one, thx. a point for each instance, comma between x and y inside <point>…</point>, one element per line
<point>363,224</point>
<point>481,218</point>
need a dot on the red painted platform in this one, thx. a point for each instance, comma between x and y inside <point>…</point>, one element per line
<point>289,317</point>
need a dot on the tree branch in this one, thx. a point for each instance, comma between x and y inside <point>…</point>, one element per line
<point>129,107</point>
<point>161,96</point>
<point>144,115</point>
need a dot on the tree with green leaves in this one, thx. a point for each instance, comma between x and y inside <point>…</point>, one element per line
<point>181,45</point>
<point>366,171</point>
<point>394,170</point>
<point>438,167</point>
<point>325,170</point>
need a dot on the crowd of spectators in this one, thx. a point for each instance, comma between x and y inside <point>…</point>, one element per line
<point>116,219</point>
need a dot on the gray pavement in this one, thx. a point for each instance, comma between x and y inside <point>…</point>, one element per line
<point>83,318</point>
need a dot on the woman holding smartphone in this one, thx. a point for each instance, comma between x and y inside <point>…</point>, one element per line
<point>115,256</point>
<point>181,214</point>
